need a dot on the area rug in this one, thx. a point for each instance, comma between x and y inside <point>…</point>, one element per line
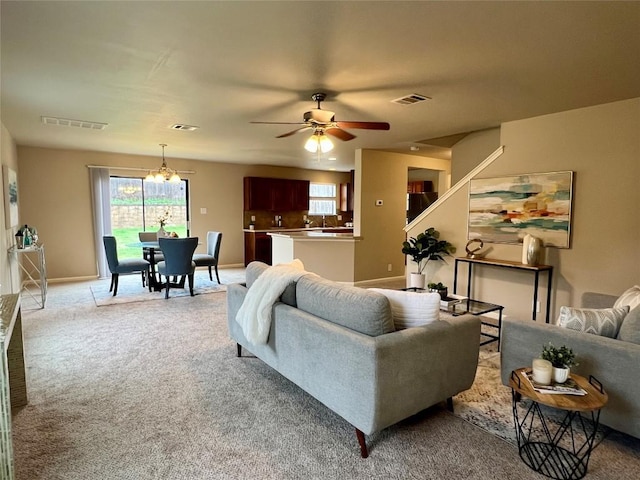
<point>130,288</point>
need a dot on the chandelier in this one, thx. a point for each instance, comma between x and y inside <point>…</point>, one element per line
<point>318,141</point>
<point>164,173</point>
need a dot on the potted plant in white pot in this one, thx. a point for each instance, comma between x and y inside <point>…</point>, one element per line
<point>423,248</point>
<point>562,359</point>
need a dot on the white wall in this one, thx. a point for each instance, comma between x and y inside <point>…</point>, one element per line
<point>601,144</point>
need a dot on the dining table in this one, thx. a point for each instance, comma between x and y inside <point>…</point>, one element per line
<point>154,280</point>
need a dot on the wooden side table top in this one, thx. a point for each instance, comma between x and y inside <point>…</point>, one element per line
<point>593,400</point>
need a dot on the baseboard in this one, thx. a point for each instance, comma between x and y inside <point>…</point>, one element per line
<point>72,279</point>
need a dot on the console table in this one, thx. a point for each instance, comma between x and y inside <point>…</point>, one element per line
<point>536,269</point>
<point>35,271</point>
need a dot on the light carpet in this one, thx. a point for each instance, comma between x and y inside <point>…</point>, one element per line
<point>130,287</point>
<point>154,390</point>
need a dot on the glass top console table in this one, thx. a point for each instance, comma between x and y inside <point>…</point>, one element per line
<point>535,269</point>
<point>34,269</point>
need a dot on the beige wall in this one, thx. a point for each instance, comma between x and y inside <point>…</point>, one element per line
<point>601,144</point>
<point>383,176</point>
<point>471,150</point>
<point>55,197</point>
<point>9,278</point>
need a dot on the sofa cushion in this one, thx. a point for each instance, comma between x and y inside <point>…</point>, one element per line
<point>630,328</point>
<point>411,309</point>
<point>352,307</point>
<point>255,269</point>
<point>599,321</point>
<point>630,297</point>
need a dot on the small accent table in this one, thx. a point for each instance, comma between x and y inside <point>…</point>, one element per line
<point>562,454</point>
<point>478,308</point>
<point>473,307</point>
<point>35,283</point>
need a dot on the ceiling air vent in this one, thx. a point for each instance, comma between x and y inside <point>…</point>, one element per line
<point>410,99</point>
<point>181,126</point>
<point>66,122</point>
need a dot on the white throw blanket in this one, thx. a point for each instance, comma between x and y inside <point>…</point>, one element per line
<point>254,315</point>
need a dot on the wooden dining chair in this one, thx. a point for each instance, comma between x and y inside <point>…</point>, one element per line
<point>178,260</point>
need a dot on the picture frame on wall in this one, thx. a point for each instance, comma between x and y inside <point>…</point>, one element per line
<point>505,209</point>
<point>10,197</point>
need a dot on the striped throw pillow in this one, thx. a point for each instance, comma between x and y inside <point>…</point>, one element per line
<point>631,298</point>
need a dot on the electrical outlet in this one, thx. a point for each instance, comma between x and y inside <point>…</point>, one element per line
<point>203,211</point>
<point>538,306</point>
<point>339,217</point>
<point>389,268</point>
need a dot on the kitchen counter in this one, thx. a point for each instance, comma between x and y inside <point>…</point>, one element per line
<point>330,255</point>
<point>315,235</point>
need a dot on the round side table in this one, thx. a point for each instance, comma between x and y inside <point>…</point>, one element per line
<point>559,451</point>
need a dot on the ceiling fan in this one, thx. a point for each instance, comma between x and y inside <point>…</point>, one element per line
<point>324,122</point>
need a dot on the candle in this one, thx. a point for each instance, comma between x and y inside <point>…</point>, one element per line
<point>542,370</point>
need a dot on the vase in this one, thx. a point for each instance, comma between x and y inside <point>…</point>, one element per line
<point>560,375</point>
<point>161,232</point>
<point>533,250</point>
<point>417,280</point>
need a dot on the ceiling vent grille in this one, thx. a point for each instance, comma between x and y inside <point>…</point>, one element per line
<point>66,122</point>
<point>410,99</point>
<point>181,126</point>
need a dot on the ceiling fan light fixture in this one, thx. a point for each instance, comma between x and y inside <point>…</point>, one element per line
<point>164,173</point>
<point>318,141</point>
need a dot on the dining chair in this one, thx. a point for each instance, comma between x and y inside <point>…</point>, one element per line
<point>210,259</point>
<point>124,266</point>
<point>178,261</point>
<point>146,252</point>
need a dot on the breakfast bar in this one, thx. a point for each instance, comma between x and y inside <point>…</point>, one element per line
<point>330,255</point>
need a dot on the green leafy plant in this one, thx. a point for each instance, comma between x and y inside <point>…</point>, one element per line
<point>436,286</point>
<point>427,246</point>
<point>562,357</point>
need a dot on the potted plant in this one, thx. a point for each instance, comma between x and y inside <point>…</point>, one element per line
<point>423,248</point>
<point>562,359</point>
<point>440,289</point>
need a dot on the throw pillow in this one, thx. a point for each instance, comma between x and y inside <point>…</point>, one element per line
<point>630,328</point>
<point>598,321</point>
<point>631,298</point>
<point>411,309</point>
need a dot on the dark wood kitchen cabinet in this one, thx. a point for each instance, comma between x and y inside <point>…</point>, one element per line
<point>257,246</point>
<point>276,194</point>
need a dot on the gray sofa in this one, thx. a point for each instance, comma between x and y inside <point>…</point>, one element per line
<point>338,344</point>
<point>613,362</point>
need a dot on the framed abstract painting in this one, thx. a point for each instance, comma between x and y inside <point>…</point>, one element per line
<point>505,209</point>
<point>10,197</point>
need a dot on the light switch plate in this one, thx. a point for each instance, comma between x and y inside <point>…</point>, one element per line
<point>203,211</point>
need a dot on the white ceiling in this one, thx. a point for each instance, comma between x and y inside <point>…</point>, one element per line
<point>144,66</point>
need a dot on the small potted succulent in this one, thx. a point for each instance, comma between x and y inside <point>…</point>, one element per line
<point>561,358</point>
<point>439,288</point>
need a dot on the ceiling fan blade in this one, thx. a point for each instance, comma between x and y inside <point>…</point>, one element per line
<point>365,125</point>
<point>292,132</point>
<point>339,133</point>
